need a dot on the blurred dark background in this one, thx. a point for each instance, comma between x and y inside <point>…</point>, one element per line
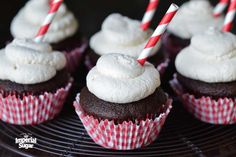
<point>90,13</point>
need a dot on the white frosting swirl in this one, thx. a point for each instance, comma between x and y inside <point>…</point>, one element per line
<point>120,78</point>
<point>192,18</point>
<point>27,62</point>
<point>211,57</point>
<point>29,19</point>
<point>121,34</point>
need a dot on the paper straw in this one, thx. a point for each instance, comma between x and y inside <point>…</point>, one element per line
<point>55,4</point>
<point>157,33</point>
<point>220,7</point>
<point>228,23</point>
<point>150,11</point>
<point>50,2</point>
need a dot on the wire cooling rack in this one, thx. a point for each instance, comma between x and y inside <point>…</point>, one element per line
<point>182,136</point>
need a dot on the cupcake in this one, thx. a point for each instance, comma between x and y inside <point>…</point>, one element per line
<point>63,33</point>
<point>120,34</point>
<point>34,82</point>
<point>193,17</point>
<point>123,106</point>
<point>206,77</point>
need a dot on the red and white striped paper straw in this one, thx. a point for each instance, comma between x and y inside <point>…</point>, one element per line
<point>157,33</point>
<point>50,2</point>
<point>220,7</point>
<point>228,23</point>
<point>150,11</point>
<point>55,4</point>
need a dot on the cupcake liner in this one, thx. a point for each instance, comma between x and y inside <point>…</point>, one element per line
<point>31,110</point>
<point>163,66</point>
<point>206,109</point>
<point>75,57</point>
<point>124,136</point>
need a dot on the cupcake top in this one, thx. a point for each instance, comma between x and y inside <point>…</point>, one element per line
<point>29,19</point>
<point>121,34</point>
<point>211,57</point>
<point>192,18</point>
<point>25,62</point>
<point>119,78</point>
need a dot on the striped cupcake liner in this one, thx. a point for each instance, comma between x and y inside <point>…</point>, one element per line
<point>32,109</point>
<point>206,109</point>
<point>127,135</point>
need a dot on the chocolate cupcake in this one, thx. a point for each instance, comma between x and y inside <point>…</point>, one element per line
<point>63,33</point>
<point>120,34</point>
<point>122,98</point>
<point>206,76</point>
<point>34,82</point>
<point>192,18</point>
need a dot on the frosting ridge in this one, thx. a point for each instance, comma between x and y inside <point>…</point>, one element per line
<point>29,19</point>
<point>121,34</point>
<point>27,62</point>
<point>194,17</point>
<point>208,62</point>
<point>120,78</point>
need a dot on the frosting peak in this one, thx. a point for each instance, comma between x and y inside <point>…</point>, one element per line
<point>125,31</point>
<point>194,17</point>
<point>29,19</point>
<point>27,62</point>
<point>214,43</point>
<point>120,34</point>
<point>122,66</point>
<point>211,57</point>
<point>120,78</point>
<point>196,5</point>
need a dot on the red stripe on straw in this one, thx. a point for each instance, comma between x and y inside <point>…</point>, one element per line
<point>167,18</point>
<point>146,25</point>
<point>147,18</point>
<point>228,23</point>
<point>55,4</point>
<point>220,7</point>
<point>152,5</point>
<point>152,41</point>
<point>227,27</point>
<point>43,29</point>
<point>50,2</point>
<point>157,33</point>
<point>142,61</point>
